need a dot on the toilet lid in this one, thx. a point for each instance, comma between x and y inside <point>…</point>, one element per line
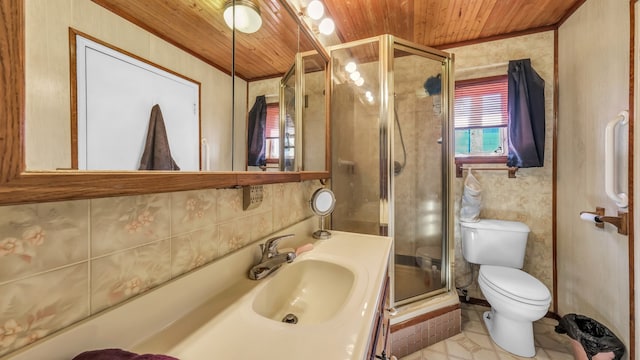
<point>515,284</point>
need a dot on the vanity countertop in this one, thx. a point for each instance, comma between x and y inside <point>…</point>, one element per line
<point>226,326</point>
<point>209,313</point>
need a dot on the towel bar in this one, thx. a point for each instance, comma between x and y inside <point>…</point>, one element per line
<point>512,170</point>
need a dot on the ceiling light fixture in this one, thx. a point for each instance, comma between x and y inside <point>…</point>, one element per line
<point>326,26</point>
<point>355,75</point>
<point>315,9</point>
<point>247,15</point>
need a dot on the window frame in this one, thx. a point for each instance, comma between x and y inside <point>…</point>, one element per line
<point>461,159</point>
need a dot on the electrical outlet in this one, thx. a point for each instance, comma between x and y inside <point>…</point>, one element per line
<point>252,196</point>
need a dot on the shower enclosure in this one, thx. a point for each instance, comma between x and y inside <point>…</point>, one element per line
<point>390,110</point>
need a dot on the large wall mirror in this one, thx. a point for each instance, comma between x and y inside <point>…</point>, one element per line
<point>188,39</point>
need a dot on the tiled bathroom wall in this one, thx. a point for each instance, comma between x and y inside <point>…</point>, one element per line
<point>528,197</point>
<point>62,262</point>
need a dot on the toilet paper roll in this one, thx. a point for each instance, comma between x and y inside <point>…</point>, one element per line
<point>589,217</point>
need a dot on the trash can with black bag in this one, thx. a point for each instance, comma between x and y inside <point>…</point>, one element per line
<point>590,339</point>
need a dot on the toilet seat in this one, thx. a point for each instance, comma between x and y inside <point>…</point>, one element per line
<point>515,284</point>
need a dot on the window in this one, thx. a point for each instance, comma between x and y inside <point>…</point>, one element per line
<point>481,117</point>
<point>272,133</point>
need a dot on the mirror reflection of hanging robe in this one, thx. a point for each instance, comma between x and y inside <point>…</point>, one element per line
<point>526,115</point>
<point>157,154</point>
<point>256,133</point>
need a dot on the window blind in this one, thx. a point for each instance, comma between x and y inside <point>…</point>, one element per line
<point>272,127</point>
<point>481,103</point>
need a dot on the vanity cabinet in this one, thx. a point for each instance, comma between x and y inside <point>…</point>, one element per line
<point>379,340</point>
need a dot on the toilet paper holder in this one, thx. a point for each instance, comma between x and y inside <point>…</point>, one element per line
<point>599,219</point>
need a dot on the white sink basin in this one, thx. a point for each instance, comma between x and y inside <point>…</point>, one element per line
<point>333,291</point>
<point>307,291</point>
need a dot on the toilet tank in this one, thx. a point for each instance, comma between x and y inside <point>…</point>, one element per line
<point>494,242</point>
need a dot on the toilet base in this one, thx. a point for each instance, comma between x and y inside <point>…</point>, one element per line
<point>515,337</point>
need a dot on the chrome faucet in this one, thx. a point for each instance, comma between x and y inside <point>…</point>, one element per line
<point>271,259</point>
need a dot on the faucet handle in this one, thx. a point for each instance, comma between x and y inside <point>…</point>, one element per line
<point>270,246</point>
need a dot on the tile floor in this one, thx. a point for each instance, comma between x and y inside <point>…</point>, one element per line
<point>474,343</point>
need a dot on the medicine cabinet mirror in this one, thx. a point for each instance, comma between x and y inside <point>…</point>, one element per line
<point>198,46</point>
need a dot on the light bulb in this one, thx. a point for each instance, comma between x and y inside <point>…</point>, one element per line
<point>359,82</point>
<point>350,67</point>
<point>326,26</point>
<point>355,75</point>
<point>368,94</point>
<point>315,10</point>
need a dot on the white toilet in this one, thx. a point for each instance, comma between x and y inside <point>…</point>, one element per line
<point>517,299</point>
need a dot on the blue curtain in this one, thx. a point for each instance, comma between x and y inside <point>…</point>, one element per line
<point>526,115</point>
<point>256,132</point>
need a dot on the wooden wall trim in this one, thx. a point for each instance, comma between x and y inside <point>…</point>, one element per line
<point>570,12</point>
<point>554,173</point>
<point>12,92</point>
<point>631,151</point>
<point>496,37</point>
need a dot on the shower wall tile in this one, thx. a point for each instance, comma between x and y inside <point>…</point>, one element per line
<point>194,249</point>
<point>34,307</point>
<point>193,210</point>
<point>40,237</point>
<point>126,222</point>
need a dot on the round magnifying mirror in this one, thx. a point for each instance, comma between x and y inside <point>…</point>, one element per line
<point>322,203</point>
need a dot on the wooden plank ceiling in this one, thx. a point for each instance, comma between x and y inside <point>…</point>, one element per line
<point>441,23</point>
<point>197,27</point>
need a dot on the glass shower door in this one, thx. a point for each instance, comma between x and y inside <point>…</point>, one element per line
<point>355,137</point>
<point>390,159</point>
<point>418,191</point>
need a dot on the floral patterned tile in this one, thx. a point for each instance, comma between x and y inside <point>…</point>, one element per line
<point>291,203</point>
<point>229,204</point>
<point>62,299</point>
<point>193,210</point>
<point>125,274</point>
<point>261,225</point>
<point>192,250</point>
<point>126,222</point>
<point>233,236</point>
<point>41,237</point>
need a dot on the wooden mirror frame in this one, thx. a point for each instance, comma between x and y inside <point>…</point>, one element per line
<point>20,186</point>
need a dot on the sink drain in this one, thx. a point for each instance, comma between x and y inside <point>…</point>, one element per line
<point>290,319</point>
